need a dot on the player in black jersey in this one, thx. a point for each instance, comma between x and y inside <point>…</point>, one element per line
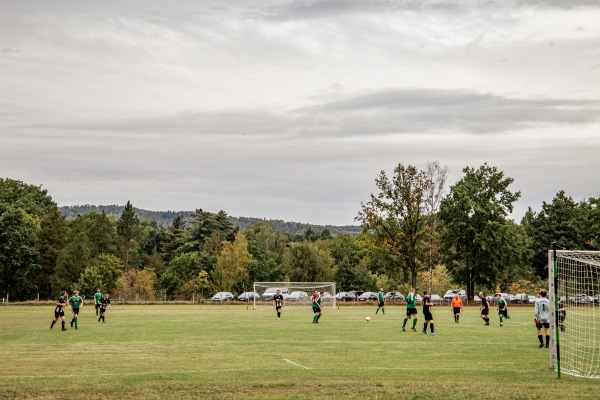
<point>278,302</point>
<point>59,311</point>
<point>104,304</point>
<point>485,308</point>
<point>427,313</point>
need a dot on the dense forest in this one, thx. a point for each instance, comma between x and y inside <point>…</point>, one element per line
<point>415,231</point>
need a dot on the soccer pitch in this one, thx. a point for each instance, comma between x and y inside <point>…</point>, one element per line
<point>188,352</point>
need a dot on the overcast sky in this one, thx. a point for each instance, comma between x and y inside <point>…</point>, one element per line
<point>289,109</point>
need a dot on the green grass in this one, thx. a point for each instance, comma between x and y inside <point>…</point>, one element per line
<point>185,352</point>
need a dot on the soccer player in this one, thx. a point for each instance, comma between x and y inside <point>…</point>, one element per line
<point>316,306</point>
<point>97,298</point>
<point>278,302</point>
<point>59,311</point>
<point>562,314</point>
<point>502,308</point>
<point>411,310</point>
<point>104,304</point>
<point>457,306</point>
<point>381,297</point>
<point>541,317</point>
<point>75,302</point>
<point>485,308</point>
<point>427,313</point>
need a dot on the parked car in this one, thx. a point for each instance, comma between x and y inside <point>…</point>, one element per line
<point>367,296</point>
<point>521,298</point>
<point>340,295</point>
<point>452,292</point>
<point>352,295</point>
<point>394,296</point>
<point>270,292</point>
<point>326,296</point>
<point>297,295</point>
<point>435,298</point>
<point>582,299</point>
<point>248,296</point>
<point>476,299</point>
<point>531,299</point>
<point>223,296</point>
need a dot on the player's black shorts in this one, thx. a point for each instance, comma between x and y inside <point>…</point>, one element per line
<point>485,311</point>
<point>456,310</point>
<point>278,308</point>
<point>59,314</point>
<point>504,313</point>
<point>381,304</point>
<point>76,311</point>
<point>561,317</point>
<point>97,306</point>
<point>102,310</point>
<point>427,315</point>
<point>411,311</point>
<point>539,325</point>
<point>316,310</point>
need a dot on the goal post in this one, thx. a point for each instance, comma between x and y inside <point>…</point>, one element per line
<point>266,290</point>
<point>574,283</point>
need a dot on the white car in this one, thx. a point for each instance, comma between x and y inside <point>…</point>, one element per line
<point>297,296</point>
<point>223,296</point>
<point>452,292</point>
<point>270,292</point>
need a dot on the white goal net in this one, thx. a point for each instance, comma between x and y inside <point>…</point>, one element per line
<point>294,293</point>
<point>575,299</point>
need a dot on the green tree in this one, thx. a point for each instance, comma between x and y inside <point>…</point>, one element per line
<point>102,234</point>
<point>51,239</point>
<point>174,238</point>
<point>232,263</point>
<point>90,280</point>
<point>22,207</point>
<point>397,220</point>
<point>110,269</point>
<point>478,237</point>
<point>74,257</point>
<point>207,227</point>
<point>309,262</point>
<point>564,221</point>
<point>128,229</point>
<point>17,253</point>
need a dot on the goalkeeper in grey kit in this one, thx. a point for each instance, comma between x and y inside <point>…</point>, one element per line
<point>541,317</point>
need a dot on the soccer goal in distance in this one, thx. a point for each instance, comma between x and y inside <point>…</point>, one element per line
<point>266,290</point>
<point>574,281</point>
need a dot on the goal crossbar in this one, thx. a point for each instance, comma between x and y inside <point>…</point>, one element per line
<point>290,286</point>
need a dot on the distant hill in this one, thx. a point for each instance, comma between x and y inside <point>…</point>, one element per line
<point>165,218</point>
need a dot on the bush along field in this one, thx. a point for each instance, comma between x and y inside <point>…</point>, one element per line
<point>231,352</point>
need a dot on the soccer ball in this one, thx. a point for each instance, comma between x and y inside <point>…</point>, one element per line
<point>368,318</point>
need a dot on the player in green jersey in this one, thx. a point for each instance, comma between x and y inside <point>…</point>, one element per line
<point>411,310</point>
<point>502,308</point>
<point>316,306</point>
<point>75,302</point>
<point>97,298</point>
<point>381,297</point>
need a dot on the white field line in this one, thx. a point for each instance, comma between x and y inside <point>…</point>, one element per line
<point>296,364</point>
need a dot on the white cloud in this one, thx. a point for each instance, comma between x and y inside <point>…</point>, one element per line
<point>290,109</point>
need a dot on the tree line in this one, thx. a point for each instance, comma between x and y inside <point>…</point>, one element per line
<point>414,232</point>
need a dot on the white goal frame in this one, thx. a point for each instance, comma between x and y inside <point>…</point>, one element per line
<point>575,350</point>
<point>309,286</point>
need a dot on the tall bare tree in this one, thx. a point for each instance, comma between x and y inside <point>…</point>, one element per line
<point>434,193</point>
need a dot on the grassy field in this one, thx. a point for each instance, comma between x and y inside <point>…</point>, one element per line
<point>185,352</point>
